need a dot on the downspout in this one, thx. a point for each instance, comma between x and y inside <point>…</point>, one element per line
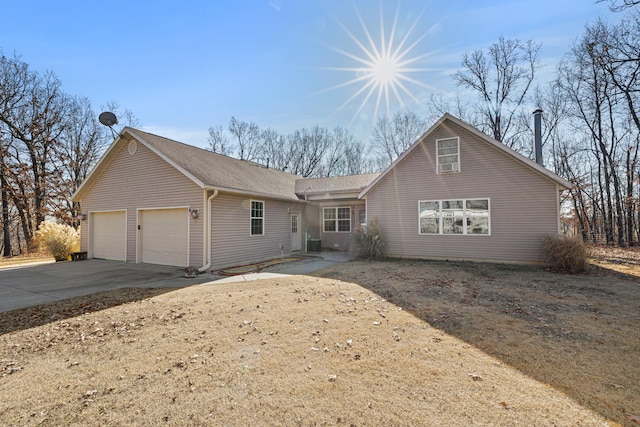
<point>207,231</point>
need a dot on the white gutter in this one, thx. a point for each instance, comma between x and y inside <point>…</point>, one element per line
<point>207,230</point>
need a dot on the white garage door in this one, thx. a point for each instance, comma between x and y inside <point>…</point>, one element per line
<point>164,236</point>
<point>108,235</point>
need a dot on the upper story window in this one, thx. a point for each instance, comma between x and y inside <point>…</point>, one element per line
<point>257,218</point>
<point>337,219</point>
<point>448,155</point>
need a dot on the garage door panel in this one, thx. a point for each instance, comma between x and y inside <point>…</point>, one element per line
<point>108,235</point>
<point>164,236</point>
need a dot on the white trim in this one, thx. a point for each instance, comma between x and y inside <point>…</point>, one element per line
<point>113,151</point>
<point>139,231</point>
<point>208,230</point>
<point>90,230</point>
<point>366,210</point>
<point>132,147</point>
<point>298,214</point>
<point>559,191</point>
<point>351,210</point>
<point>182,170</point>
<point>458,166</point>
<point>251,217</point>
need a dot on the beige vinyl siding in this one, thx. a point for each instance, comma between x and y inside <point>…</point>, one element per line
<point>339,239</point>
<point>144,181</point>
<point>311,228</point>
<point>231,241</point>
<point>523,204</point>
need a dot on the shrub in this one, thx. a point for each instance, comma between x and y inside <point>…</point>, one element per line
<point>566,254</point>
<point>369,242</point>
<point>58,239</point>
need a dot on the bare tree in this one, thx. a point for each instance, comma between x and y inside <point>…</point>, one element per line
<point>275,151</point>
<point>619,56</point>
<point>439,105</point>
<point>247,137</point>
<point>32,111</point>
<point>82,142</point>
<point>502,78</point>
<point>4,194</point>
<point>357,160</point>
<point>392,136</point>
<point>125,116</point>
<point>597,110</point>
<point>621,5</point>
<point>218,141</point>
<point>307,150</point>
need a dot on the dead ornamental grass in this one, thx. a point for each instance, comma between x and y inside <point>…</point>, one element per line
<point>294,351</point>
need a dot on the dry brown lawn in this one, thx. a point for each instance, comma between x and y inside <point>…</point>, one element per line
<point>390,343</point>
<point>25,259</point>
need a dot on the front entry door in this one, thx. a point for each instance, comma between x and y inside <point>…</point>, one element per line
<point>295,232</point>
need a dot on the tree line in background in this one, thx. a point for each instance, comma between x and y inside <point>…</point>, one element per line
<point>318,152</point>
<point>591,124</point>
<point>49,140</point>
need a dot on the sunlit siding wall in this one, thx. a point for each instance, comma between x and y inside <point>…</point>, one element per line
<point>523,203</point>
<point>231,239</point>
<point>144,180</point>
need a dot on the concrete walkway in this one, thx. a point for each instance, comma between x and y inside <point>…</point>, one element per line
<point>35,284</point>
<point>307,265</point>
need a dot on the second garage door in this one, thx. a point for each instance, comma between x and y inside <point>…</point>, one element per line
<point>164,236</point>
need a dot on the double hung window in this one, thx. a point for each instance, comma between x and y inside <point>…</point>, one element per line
<point>257,218</point>
<point>337,219</point>
<point>448,155</point>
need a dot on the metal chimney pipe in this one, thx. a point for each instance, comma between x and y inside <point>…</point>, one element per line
<point>537,130</point>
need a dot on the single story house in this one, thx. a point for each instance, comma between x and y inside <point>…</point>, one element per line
<point>454,194</point>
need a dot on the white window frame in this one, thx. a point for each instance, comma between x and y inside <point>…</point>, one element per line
<point>336,219</point>
<point>252,218</point>
<point>465,230</point>
<point>455,168</point>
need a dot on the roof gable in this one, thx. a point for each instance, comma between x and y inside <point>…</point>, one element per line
<point>481,136</point>
<point>205,168</point>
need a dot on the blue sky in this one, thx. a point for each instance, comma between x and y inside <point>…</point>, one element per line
<point>184,66</point>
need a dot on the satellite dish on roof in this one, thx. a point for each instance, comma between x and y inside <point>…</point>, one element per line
<point>108,119</point>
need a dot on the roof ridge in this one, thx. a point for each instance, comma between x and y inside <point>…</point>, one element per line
<point>209,152</point>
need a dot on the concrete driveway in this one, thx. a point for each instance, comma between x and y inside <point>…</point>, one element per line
<point>27,286</point>
<point>39,284</point>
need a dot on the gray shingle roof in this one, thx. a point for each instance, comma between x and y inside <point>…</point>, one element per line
<point>216,170</point>
<point>334,184</point>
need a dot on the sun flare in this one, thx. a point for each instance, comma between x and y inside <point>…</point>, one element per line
<point>382,68</point>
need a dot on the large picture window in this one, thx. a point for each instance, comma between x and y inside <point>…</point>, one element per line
<point>454,216</point>
<point>448,155</point>
<point>257,218</point>
<point>337,219</point>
